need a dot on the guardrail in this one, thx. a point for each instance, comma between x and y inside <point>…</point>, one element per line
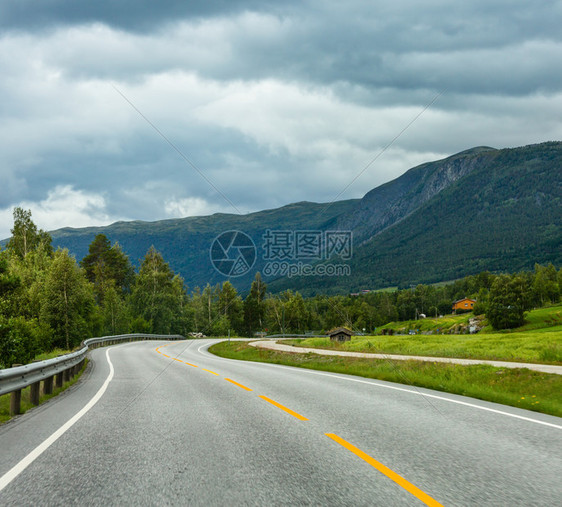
<point>53,372</point>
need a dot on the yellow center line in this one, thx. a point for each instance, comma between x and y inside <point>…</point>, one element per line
<point>288,410</point>
<point>418,493</point>
<point>237,384</point>
<point>157,349</point>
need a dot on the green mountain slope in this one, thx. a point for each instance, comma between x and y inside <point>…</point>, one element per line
<point>504,214</point>
<point>185,242</point>
<point>389,203</point>
<point>481,209</point>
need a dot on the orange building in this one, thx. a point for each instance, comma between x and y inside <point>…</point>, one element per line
<point>463,304</point>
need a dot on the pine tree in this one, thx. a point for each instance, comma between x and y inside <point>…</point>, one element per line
<point>107,266</point>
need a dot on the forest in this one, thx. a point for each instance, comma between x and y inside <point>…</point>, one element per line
<point>50,301</point>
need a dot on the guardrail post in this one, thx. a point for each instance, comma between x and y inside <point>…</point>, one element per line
<point>15,402</point>
<point>59,379</point>
<point>66,376</point>
<point>48,385</point>
<point>15,399</point>
<point>34,393</point>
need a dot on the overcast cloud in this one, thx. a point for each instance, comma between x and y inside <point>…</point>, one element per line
<point>273,102</point>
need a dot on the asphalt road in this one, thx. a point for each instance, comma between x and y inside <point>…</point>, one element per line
<point>195,429</point>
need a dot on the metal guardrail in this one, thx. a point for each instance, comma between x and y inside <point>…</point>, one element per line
<point>59,369</point>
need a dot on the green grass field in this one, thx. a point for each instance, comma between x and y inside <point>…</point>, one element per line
<point>522,388</point>
<point>541,318</point>
<point>538,341</point>
<point>436,325</point>
<point>538,347</point>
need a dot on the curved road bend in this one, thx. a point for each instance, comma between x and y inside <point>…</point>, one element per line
<point>196,429</point>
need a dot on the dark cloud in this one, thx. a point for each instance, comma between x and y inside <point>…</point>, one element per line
<point>474,48</point>
<point>274,102</point>
<point>134,15</point>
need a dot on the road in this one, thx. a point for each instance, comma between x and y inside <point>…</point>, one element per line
<point>167,423</point>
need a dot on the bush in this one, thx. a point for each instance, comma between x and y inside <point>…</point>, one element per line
<point>21,340</point>
<point>480,308</point>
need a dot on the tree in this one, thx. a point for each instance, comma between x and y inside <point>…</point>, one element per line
<point>107,266</point>
<point>181,323</point>
<point>67,300</point>
<point>25,235</point>
<point>197,310</point>
<point>115,314</point>
<point>275,313</point>
<point>155,294</point>
<point>26,300</point>
<point>406,305</point>
<point>254,306</point>
<point>545,284</point>
<point>337,313</point>
<point>296,316</point>
<point>8,281</point>
<point>507,302</point>
<point>230,306</point>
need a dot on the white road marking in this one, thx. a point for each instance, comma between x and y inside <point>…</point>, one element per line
<point>41,448</point>
<point>403,389</point>
<point>434,396</point>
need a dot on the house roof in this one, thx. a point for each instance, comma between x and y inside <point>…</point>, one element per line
<point>339,330</point>
<point>464,299</point>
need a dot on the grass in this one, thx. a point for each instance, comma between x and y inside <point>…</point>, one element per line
<point>539,340</point>
<point>530,347</point>
<point>542,318</point>
<point>25,396</point>
<point>436,325</point>
<point>547,318</point>
<point>521,388</point>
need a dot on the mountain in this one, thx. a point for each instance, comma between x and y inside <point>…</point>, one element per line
<point>482,209</point>
<point>185,242</point>
<point>388,204</point>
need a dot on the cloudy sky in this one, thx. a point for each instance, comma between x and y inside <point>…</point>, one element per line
<point>268,102</point>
